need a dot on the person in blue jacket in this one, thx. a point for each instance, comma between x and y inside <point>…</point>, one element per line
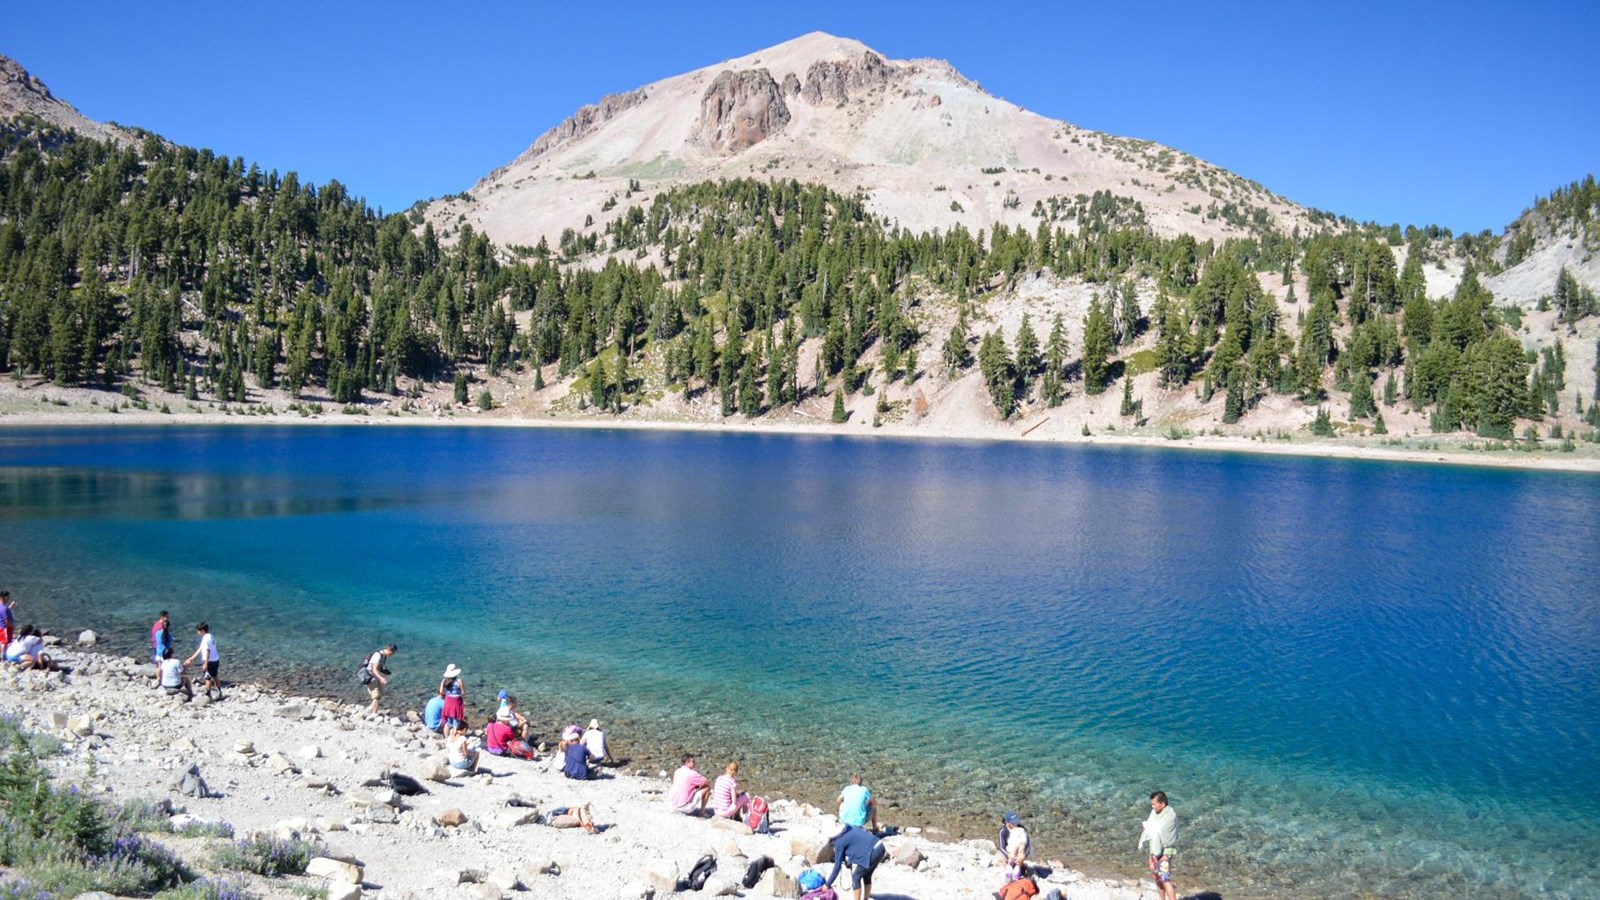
<point>863,851</point>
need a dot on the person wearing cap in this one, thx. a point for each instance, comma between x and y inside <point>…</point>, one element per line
<point>863,851</point>
<point>577,761</point>
<point>1015,844</point>
<point>595,739</point>
<point>507,714</point>
<point>1160,832</point>
<point>454,692</point>
<point>856,806</point>
<point>378,677</point>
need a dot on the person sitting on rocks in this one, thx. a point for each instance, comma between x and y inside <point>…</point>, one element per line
<point>500,740</point>
<point>463,759</point>
<point>171,677</point>
<point>508,714</point>
<point>571,817</point>
<point>26,651</point>
<point>433,714</point>
<point>577,761</point>
<point>595,739</point>
<point>727,800</point>
<point>690,789</point>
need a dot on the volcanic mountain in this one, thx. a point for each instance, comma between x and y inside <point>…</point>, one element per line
<point>928,147</point>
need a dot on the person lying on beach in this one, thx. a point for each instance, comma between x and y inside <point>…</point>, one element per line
<point>463,759</point>
<point>690,790</point>
<point>26,651</point>
<point>571,817</point>
<point>727,801</point>
<point>171,677</point>
<point>577,761</point>
<point>508,714</point>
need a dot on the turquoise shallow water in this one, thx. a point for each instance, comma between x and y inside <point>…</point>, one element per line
<point>1351,677</point>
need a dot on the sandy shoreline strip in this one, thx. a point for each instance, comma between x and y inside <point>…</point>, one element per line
<point>1440,449</point>
<point>307,760</point>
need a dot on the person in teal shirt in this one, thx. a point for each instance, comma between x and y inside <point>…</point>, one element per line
<point>856,806</point>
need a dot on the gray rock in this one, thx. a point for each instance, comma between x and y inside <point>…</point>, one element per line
<point>340,891</point>
<point>778,883</point>
<point>452,818</point>
<point>504,878</point>
<point>88,638</point>
<point>334,870</point>
<point>661,876</point>
<point>485,891</point>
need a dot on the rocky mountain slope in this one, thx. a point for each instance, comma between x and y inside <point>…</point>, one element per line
<point>23,95</point>
<point>928,146</point>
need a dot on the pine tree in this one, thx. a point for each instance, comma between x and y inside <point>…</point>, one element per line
<point>1362,403</point>
<point>1390,391</point>
<point>461,388</point>
<point>1128,407</point>
<point>839,414</point>
<point>1097,347</point>
<point>956,354</point>
<point>1027,351</point>
<point>999,373</point>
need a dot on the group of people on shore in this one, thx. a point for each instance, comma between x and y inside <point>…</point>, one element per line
<point>21,647</point>
<point>172,673</point>
<point>508,733</point>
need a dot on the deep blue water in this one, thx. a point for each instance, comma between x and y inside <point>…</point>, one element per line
<point>1349,676</point>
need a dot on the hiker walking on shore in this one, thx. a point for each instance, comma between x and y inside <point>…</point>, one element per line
<point>374,676</point>
<point>207,653</point>
<point>1160,831</point>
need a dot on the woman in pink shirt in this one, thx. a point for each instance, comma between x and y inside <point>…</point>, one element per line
<point>727,800</point>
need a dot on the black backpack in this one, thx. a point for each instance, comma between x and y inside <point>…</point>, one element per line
<point>701,871</point>
<point>753,872</point>
<point>364,673</point>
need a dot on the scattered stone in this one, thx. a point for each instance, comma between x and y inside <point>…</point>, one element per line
<point>717,887</point>
<point>504,878</point>
<point>815,851</point>
<point>662,877</point>
<point>339,891</point>
<point>386,797</point>
<point>334,870</point>
<point>437,773</point>
<point>905,853</point>
<point>383,815</point>
<point>279,764</point>
<point>634,890</point>
<point>360,799</point>
<point>452,818</point>
<point>551,868</point>
<point>512,818</point>
<point>310,751</point>
<point>486,891</point>
<point>463,876</point>
<point>88,638</point>
<point>58,721</point>
<point>733,825</point>
<point>82,726</point>
<point>778,883</point>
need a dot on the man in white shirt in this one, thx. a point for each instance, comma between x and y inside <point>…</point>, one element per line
<point>207,653</point>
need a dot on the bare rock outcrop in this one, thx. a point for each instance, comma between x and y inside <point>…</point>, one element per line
<point>585,120</point>
<point>834,80</point>
<point>22,94</point>
<point>739,110</point>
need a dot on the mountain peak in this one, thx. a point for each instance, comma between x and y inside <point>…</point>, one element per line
<point>23,94</point>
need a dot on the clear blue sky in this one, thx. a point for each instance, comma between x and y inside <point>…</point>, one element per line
<point>1458,114</point>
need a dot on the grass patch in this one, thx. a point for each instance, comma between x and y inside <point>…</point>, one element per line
<point>65,843</point>
<point>1139,363</point>
<point>265,855</point>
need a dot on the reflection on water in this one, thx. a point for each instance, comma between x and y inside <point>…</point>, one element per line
<point>1344,673</point>
<point>32,493</point>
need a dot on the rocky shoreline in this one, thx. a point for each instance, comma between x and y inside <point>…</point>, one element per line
<point>290,765</point>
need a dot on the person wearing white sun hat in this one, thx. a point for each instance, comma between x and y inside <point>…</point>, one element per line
<point>454,692</point>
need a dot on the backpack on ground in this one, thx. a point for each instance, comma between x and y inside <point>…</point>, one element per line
<point>702,870</point>
<point>759,818</point>
<point>752,872</point>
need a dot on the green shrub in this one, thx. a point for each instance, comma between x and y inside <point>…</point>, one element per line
<point>265,855</point>
<point>209,889</point>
